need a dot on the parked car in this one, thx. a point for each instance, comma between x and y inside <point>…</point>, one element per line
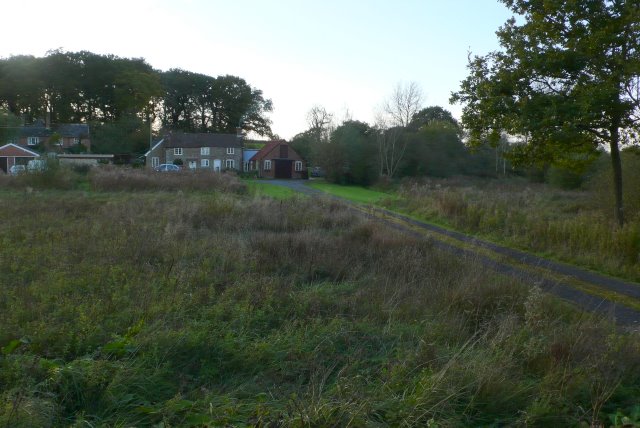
<point>167,167</point>
<point>17,169</point>
<point>36,165</point>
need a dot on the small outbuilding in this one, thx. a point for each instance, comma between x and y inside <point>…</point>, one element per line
<point>12,154</point>
<point>278,160</point>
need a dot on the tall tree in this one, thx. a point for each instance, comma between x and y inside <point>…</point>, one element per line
<point>404,102</point>
<point>320,123</point>
<point>567,81</point>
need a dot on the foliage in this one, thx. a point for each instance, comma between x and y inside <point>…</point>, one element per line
<point>120,97</point>
<point>567,81</point>
<point>210,309</point>
<point>431,115</point>
<point>9,125</point>
<point>350,156</point>
<point>129,134</point>
<point>195,102</point>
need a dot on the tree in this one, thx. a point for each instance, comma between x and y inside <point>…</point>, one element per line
<point>320,123</point>
<point>195,102</point>
<point>403,103</point>
<point>430,115</point>
<point>391,147</point>
<point>350,157</point>
<point>566,81</point>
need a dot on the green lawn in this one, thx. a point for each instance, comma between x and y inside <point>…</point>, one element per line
<point>352,193</point>
<point>260,188</point>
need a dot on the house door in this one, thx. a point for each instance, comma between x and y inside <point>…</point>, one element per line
<point>217,165</point>
<point>283,168</point>
<point>3,164</point>
<point>193,164</point>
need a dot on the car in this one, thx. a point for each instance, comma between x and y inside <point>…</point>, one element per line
<point>167,167</point>
<point>17,169</point>
<point>36,165</point>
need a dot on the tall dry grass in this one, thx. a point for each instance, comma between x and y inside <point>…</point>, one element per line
<point>570,225</point>
<point>115,179</point>
<point>219,309</point>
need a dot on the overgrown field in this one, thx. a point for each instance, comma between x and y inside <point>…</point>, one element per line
<point>219,308</point>
<point>575,226</point>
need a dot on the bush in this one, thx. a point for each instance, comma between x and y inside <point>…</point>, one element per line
<point>54,176</point>
<point>116,179</point>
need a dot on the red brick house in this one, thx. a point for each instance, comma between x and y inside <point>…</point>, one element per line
<point>12,154</point>
<point>278,160</point>
<point>59,137</point>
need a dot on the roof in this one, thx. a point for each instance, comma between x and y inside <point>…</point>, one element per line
<point>267,149</point>
<point>247,154</point>
<point>76,130</point>
<point>155,146</point>
<point>71,130</point>
<point>84,156</point>
<point>202,140</point>
<point>14,147</point>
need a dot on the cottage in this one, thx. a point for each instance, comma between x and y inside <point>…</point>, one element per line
<point>278,160</point>
<point>214,152</point>
<point>61,136</point>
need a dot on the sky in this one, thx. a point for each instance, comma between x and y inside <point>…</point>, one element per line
<point>344,55</point>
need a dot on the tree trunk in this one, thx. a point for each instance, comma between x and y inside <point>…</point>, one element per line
<point>617,175</point>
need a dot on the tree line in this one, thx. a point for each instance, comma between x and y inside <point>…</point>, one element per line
<point>120,97</point>
<point>406,140</point>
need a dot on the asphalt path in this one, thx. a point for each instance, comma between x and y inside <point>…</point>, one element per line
<point>521,267</point>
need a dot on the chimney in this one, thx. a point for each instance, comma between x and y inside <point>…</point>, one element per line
<point>47,119</point>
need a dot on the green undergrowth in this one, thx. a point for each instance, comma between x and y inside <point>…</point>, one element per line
<point>223,309</point>
<point>270,190</point>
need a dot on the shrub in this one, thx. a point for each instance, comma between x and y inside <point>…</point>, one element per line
<point>116,179</point>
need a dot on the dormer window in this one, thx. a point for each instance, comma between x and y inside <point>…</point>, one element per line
<point>33,141</point>
<point>230,150</point>
<point>177,151</point>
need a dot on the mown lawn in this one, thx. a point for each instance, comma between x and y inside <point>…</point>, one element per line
<point>270,190</point>
<point>352,193</point>
<point>161,307</point>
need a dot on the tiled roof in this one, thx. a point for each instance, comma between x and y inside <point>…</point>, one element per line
<point>267,149</point>
<point>202,140</point>
<point>70,130</point>
<point>76,130</point>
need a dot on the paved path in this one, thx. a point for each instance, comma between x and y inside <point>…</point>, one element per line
<point>560,279</point>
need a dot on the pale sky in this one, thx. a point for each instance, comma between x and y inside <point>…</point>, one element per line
<point>341,54</point>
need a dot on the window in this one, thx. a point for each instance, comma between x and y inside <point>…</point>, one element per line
<point>177,151</point>
<point>33,141</point>
<point>76,141</point>
<point>204,163</point>
<point>205,151</point>
<point>245,166</point>
<point>230,150</point>
<point>229,163</point>
<point>267,165</point>
<point>298,166</point>
<point>155,161</point>
<point>60,142</point>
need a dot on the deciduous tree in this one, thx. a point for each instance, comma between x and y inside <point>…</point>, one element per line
<point>566,81</point>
